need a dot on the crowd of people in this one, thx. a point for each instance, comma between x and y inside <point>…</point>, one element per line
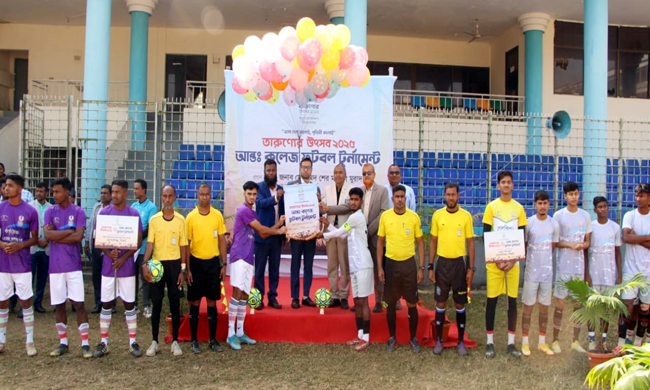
<point>371,234</point>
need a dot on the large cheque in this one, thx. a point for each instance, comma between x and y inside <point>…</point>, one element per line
<point>116,232</point>
<point>504,245</point>
<point>301,211</point>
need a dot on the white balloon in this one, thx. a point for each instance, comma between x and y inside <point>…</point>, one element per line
<point>308,92</point>
<point>253,48</point>
<point>300,98</point>
<point>283,67</point>
<point>286,31</point>
<point>244,71</point>
<point>270,47</point>
<point>338,75</point>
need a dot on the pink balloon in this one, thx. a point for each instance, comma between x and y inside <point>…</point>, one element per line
<point>289,97</point>
<point>301,100</point>
<point>289,47</point>
<point>262,88</point>
<point>302,64</point>
<point>237,87</point>
<point>298,78</point>
<point>319,84</point>
<point>269,73</point>
<point>267,96</point>
<point>311,52</point>
<point>347,58</point>
<point>361,55</point>
<point>357,74</point>
<point>323,95</point>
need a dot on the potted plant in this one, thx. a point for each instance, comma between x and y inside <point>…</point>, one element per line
<point>628,371</point>
<point>597,308</point>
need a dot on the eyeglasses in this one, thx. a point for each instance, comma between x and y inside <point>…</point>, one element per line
<point>305,166</point>
<point>368,173</point>
<point>393,173</point>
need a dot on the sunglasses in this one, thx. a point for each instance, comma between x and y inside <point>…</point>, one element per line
<point>368,173</point>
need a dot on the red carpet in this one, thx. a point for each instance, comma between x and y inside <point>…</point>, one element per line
<point>306,325</point>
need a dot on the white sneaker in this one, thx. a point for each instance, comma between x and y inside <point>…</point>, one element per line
<point>147,312</point>
<point>176,349</point>
<point>153,349</point>
<point>31,349</point>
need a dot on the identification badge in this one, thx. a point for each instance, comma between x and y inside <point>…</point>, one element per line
<point>216,233</point>
<point>408,231</point>
<point>458,232</point>
<point>173,240</point>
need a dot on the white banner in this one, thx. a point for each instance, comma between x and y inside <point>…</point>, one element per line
<point>352,128</point>
<point>301,211</point>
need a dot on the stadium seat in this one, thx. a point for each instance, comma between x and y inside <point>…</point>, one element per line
<point>186,204</point>
<point>180,170</point>
<point>563,162</point>
<point>179,185</point>
<point>203,153</point>
<point>187,152</point>
<point>197,170</point>
<point>519,162</point>
<point>444,160</point>
<point>548,163</point>
<point>219,148</point>
<point>533,163</point>
<point>192,188</point>
<point>645,167</point>
<point>458,160</point>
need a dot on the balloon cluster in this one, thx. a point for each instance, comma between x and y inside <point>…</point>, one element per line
<point>307,63</point>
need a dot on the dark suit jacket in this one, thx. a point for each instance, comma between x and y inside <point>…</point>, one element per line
<point>265,207</point>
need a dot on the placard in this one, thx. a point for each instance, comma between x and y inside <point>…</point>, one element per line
<point>116,232</point>
<point>301,211</point>
<point>504,245</point>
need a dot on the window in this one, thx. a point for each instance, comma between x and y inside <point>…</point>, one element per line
<point>627,60</point>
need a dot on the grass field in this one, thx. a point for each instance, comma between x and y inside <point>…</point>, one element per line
<point>280,366</point>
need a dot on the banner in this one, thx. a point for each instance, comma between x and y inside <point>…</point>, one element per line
<point>504,245</point>
<point>352,128</point>
<point>116,232</point>
<point>301,211</point>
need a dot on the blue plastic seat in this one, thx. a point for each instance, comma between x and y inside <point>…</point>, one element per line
<point>187,152</point>
<point>180,170</point>
<point>203,153</point>
<point>196,170</point>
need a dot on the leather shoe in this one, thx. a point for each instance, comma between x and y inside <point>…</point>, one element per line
<point>274,304</point>
<point>308,302</point>
<point>39,309</point>
<point>377,308</point>
<point>335,302</point>
<point>353,308</point>
<point>295,303</point>
<point>96,309</point>
<point>260,307</point>
<point>344,304</point>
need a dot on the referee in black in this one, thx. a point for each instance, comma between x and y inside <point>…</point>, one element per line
<point>453,227</point>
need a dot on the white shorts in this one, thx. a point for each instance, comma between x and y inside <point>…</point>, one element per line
<point>125,289</point>
<point>22,282</point>
<point>537,292</point>
<point>600,287</point>
<point>363,283</point>
<point>560,290</point>
<point>67,285</point>
<point>241,275</point>
<point>643,295</point>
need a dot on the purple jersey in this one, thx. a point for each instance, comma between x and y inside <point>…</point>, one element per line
<point>244,239</point>
<point>16,225</point>
<point>128,268</point>
<point>65,257</point>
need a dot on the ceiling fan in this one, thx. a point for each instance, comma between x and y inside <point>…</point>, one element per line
<point>476,34</point>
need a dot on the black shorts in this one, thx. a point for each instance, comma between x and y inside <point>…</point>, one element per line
<point>451,274</point>
<point>401,281</point>
<point>171,270</point>
<point>205,279</point>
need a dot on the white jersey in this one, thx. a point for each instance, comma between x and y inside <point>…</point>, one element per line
<point>602,252</point>
<point>573,228</point>
<point>356,230</point>
<point>540,236</point>
<point>637,258</point>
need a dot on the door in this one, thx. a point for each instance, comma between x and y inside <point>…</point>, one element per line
<point>20,81</point>
<point>179,69</point>
<point>512,79</point>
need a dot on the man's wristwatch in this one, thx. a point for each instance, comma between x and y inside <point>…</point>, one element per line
<point>422,268</point>
<point>473,269</point>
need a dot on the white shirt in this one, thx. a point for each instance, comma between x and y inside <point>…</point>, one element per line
<point>274,192</point>
<point>540,236</point>
<point>602,252</point>
<point>637,258</point>
<point>357,233</point>
<point>411,204</point>
<point>573,228</point>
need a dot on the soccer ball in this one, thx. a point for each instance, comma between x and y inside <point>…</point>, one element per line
<point>323,297</point>
<point>156,269</point>
<point>254,298</point>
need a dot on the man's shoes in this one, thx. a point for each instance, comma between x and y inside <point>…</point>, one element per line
<point>415,346</point>
<point>512,350</point>
<point>261,306</point>
<point>575,346</point>
<point>101,350</point>
<point>246,340</point>
<point>556,347</point>
<point>295,303</point>
<point>398,305</point>
<point>361,346</point>
<point>86,352</point>
<point>335,302</point>
<point>353,308</point>
<point>135,350</point>
<point>462,350</point>
<point>274,304</point>
<point>377,308</point>
<point>391,345</point>
<point>20,313</point>
<point>153,349</point>
<point>525,349</point>
<point>489,351</point>
<point>39,309</point>
<point>31,349</point>
<point>308,302</point>
<point>147,312</point>
<point>354,341</point>
<point>60,350</point>
<point>344,304</point>
<point>96,309</point>
<point>545,348</point>
<point>195,347</point>
<point>438,348</point>
<point>214,345</point>
<point>113,310</point>
<point>176,349</point>
<point>3,347</point>
<point>233,341</point>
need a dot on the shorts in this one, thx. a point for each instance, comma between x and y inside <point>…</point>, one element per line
<point>67,285</point>
<point>125,289</point>
<point>205,279</point>
<point>600,287</point>
<point>401,281</point>
<point>496,281</point>
<point>537,292</point>
<point>561,291</point>
<point>241,275</point>
<point>22,282</point>
<point>451,274</point>
<point>643,295</point>
<point>363,283</point>
<point>171,270</point>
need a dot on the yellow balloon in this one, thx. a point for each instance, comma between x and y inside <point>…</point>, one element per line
<point>344,84</point>
<point>341,37</point>
<point>250,95</point>
<point>323,35</point>
<point>305,29</point>
<point>367,78</point>
<point>330,59</point>
<point>275,97</point>
<point>237,51</point>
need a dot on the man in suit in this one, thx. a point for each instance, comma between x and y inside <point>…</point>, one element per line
<point>375,202</point>
<point>41,251</point>
<point>300,248</point>
<point>337,248</point>
<point>269,206</point>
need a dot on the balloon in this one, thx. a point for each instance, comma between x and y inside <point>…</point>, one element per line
<point>367,78</point>
<point>289,97</point>
<point>237,87</point>
<point>305,29</point>
<point>287,31</point>
<point>357,74</point>
<point>308,91</point>
<point>320,100</point>
<point>324,94</point>
<point>237,51</point>
<point>330,59</point>
<point>334,88</point>
<point>280,86</point>
<point>338,75</point>
<point>319,69</point>
<point>324,37</point>
<point>253,48</point>
<point>269,73</point>
<point>302,64</point>
<point>298,79</point>
<point>319,84</point>
<point>345,84</point>
<point>244,71</point>
<point>270,47</point>
<point>341,37</point>
<point>310,51</point>
<point>262,87</point>
<point>267,95</point>
<point>289,47</point>
<point>301,100</point>
<point>275,97</point>
<point>311,74</point>
<point>361,55</point>
<point>283,67</point>
<point>250,96</point>
<point>347,57</point>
